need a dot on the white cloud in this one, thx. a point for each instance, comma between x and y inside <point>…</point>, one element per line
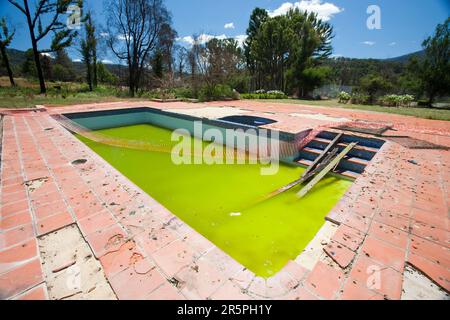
<point>76,60</point>
<point>393,44</point>
<point>106,61</point>
<point>241,39</point>
<point>368,43</point>
<point>202,38</point>
<point>104,34</point>
<point>229,25</point>
<point>47,54</point>
<point>325,11</point>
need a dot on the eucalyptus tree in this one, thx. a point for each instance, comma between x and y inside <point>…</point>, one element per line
<point>166,43</point>
<point>134,29</point>
<point>6,38</point>
<point>44,17</point>
<point>310,45</point>
<point>257,18</point>
<point>88,49</point>
<point>284,52</point>
<point>433,70</point>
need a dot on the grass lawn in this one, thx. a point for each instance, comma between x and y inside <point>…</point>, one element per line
<point>26,94</point>
<point>427,113</point>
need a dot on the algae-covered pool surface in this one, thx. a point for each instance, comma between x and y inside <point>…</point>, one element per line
<point>216,200</point>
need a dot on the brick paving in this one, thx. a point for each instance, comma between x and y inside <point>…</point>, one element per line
<point>395,214</point>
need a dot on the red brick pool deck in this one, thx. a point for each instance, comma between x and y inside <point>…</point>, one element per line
<point>395,215</point>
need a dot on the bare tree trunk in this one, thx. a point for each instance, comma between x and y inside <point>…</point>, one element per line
<point>89,75</point>
<point>35,49</point>
<point>7,66</point>
<point>94,66</point>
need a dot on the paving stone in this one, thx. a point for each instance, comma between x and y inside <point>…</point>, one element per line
<point>130,285</point>
<point>389,234</point>
<point>174,257</point>
<point>20,279</point>
<point>439,274</point>
<point>15,236</point>
<point>37,293</point>
<point>96,222</point>
<point>349,237</point>
<point>18,255</point>
<point>17,220</point>
<point>377,277</point>
<point>434,252</point>
<point>340,254</point>
<point>354,291</point>
<point>107,240</point>
<point>52,223</point>
<point>325,281</point>
<point>385,253</point>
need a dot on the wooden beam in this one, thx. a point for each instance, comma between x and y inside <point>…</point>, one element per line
<point>323,154</point>
<point>334,163</point>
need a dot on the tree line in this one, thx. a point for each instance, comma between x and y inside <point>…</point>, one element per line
<point>289,53</point>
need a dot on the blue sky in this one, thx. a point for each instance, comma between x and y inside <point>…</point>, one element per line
<point>404,23</point>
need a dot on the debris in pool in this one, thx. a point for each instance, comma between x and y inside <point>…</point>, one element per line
<point>413,162</point>
<point>235,214</point>
<point>79,161</point>
<point>48,129</point>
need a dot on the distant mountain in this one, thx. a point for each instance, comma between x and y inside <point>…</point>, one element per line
<point>405,58</point>
<point>18,57</point>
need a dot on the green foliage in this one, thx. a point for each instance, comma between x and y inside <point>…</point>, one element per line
<point>61,73</point>
<point>348,72</point>
<point>360,98</point>
<point>433,70</point>
<point>104,76</point>
<point>62,67</point>
<point>312,78</point>
<point>6,36</point>
<point>261,95</point>
<point>46,17</point>
<point>284,52</point>
<point>184,93</point>
<point>28,66</point>
<point>88,49</point>
<point>344,97</point>
<point>218,92</point>
<point>157,65</point>
<point>373,85</point>
<point>393,100</point>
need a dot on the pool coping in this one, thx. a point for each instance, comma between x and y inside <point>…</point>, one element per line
<point>294,281</point>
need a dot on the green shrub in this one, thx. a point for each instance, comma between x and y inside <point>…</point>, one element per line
<point>218,92</point>
<point>261,94</point>
<point>184,93</point>
<point>393,100</point>
<point>360,98</point>
<point>344,97</point>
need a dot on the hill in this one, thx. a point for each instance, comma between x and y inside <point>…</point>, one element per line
<point>405,58</point>
<point>18,57</point>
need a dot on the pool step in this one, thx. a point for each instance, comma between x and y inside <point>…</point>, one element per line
<point>354,163</point>
<point>349,174</point>
<point>305,162</point>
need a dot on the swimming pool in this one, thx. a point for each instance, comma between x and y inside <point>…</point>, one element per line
<point>218,201</point>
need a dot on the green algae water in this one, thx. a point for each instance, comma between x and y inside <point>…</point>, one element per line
<point>216,200</point>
